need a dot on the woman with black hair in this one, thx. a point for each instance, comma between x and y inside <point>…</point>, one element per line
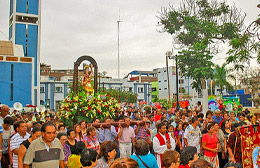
<point>36,133</point>
<point>88,158</point>
<point>74,159</point>
<point>71,140</point>
<point>210,145</point>
<point>188,156</point>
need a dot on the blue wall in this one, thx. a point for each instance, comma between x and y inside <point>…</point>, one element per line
<point>33,7</point>
<point>11,7</point>
<point>32,47</point>
<point>21,83</point>
<point>21,6</point>
<point>20,35</point>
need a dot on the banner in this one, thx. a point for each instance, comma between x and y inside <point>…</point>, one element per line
<point>251,147</point>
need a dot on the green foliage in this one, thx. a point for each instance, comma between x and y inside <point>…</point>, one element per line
<point>121,96</point>
<point>220,77</point>
<point>198,26</point>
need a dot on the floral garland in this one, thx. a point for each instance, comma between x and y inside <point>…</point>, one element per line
<point>87,107</point>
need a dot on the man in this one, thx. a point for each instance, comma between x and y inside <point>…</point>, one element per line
<point>45,151</point>
<point>162,142</point>
<point>17,139</point>
<point>125,135</point>
<point>141,131</point>
<point>152,122</point>
<point>217,118</point>
<point>96,121</point>
<point>192,135</point>
<point>29,127</point>
<point>4,111</point>
<point>107,134</point>
<point>169,116</point>
<point>234,144</point>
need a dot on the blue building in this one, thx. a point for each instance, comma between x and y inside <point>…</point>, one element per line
<point>23,77</point>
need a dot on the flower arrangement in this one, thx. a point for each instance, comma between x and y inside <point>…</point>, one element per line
<point>81,106</point>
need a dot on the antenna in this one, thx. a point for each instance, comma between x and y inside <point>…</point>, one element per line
<point>118,61</point>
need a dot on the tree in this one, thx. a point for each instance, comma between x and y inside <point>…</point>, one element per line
<point>221,76</point>
<point>197,27</point>
<point>246,46</point>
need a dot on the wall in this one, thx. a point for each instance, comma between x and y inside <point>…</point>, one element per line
<point>21,83</point>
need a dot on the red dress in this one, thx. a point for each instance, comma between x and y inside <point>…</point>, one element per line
<point>211,142</point>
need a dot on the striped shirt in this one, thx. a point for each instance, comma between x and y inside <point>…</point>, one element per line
<point>15,142</point>
<point>42,156</point>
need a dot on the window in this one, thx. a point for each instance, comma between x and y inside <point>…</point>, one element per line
<point>140,90</point>
<point>154,89</point>
<point>12,92</point>
<point>160,89</point>
<point>181,90</point>
<point>130,89</point>
<point>41,89</point>
<point>165,88</point>
<point>12,72</point>
<point>58,89</point>
<point>165,80</point>
<point>181,81</point>
<point>159,81</point>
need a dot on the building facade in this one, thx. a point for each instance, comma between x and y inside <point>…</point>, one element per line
<point>24,30</point>
<point>16,77</point>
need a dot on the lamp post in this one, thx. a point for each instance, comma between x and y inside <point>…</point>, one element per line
<point>177,78</point>
<point>168,55</point>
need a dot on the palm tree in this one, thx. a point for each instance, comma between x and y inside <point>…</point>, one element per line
<point>220,77</point>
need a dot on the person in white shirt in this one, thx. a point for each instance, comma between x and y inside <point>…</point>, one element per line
<point>192,135</point>
<point>125,136</point>
<point>161,142</point>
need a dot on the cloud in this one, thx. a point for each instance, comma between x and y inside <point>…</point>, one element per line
<point>89,27</point>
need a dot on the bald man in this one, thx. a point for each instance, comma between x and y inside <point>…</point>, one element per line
<point>4,111</point>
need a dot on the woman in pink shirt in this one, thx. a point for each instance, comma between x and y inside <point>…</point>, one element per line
<point>210,146</point>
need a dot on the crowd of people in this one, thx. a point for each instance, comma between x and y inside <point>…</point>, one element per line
<point>159,138</point>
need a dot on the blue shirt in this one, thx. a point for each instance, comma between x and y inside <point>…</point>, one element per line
<point>149,160</point>
<point>107,135</point>
<point>218,120</point>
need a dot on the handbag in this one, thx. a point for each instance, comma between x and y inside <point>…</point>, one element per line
<point>142,161</point>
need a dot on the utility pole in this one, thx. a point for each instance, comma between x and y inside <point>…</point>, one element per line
<point>168,55</point>
<point>118,61</point>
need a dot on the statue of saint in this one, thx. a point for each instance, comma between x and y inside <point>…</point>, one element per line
<point>86,79</point>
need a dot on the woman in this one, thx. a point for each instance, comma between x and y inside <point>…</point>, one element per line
<point>181,135</point>
<point>74,159</point>
<point>78,133</point>
<point>222,143</point>
<point>141,155</point>
<point>83,128</point>
<point>226,128</point>
<point>62,136</point>
<point>210,146</point>
<point>208,119</point>
<point>71,140</point>
<point>177,137</point>
<point>188,156</point>
<point>36,133</point>
<point>124,163</point>
<point>91,140</point>
<point>107,154</point>
<point>171,159</point>
<point>88,158</point>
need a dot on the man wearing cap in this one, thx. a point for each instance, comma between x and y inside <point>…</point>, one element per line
<point>217,117</point>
